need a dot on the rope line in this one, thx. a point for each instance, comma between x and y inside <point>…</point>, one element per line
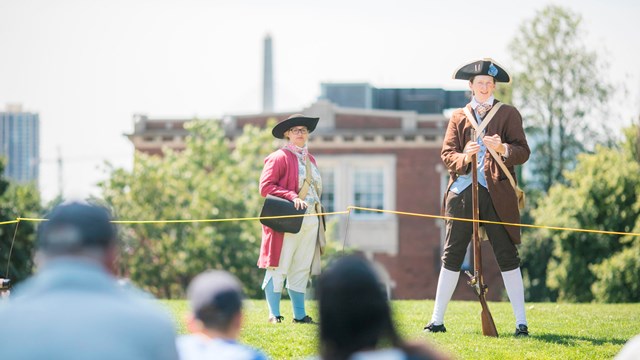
<point>348,212</point>
<point>605,232</point>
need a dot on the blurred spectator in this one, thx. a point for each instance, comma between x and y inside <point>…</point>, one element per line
<point>631,350</point>
<point>5,288</point>
<point>355,317</point>
<point>215,298</point>
<point>73,308</point>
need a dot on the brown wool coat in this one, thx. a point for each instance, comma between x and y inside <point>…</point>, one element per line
<point>507,123</point>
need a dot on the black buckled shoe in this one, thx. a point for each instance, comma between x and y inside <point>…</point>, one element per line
<point>305,320</point>
<point>431,327</point>
<point>276,319</point>
<point>522,330</point>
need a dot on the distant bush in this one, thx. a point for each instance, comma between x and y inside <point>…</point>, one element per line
<point>618,277</point>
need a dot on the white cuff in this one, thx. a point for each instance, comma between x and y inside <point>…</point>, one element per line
<point>506,150</point>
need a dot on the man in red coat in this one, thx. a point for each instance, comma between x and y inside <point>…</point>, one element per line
<point>286,256</point>
<point>497,198</point>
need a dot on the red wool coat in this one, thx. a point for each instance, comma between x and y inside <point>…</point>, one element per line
<point>279,178</point>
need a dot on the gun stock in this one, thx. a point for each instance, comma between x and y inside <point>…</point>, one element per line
<point>477,281</point>
<point>488,326</point>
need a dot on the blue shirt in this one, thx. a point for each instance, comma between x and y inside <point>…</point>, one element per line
<point>73,309</point>
<point>463,181</point>
<point>195,347</point>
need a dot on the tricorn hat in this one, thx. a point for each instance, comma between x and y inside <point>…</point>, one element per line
<point>294,120</point>
<point>486,66</point>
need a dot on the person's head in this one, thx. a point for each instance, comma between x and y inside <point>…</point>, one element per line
<point>296,129</point>
<point>215,298</point>
<point>482,75</point>
<point>482,87</point>
<point>78,230</point>
<point>354,310</point>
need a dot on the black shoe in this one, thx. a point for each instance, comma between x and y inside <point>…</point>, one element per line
<point>276,319</point>
<point>305,320</point>
<point>522,330</point>
<point>431,327</point>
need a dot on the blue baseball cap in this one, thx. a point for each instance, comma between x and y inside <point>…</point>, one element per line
<point>75,225</point>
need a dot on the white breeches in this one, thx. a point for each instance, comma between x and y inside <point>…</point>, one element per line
<point>295,258</point>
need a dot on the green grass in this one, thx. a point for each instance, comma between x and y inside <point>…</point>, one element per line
<point>558,331</point>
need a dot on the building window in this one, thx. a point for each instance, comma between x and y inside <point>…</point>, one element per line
<point>328,189</point>
<point>368,190</point>
<point>359,180</point>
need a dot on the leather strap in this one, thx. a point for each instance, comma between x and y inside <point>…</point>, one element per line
<point>485,122</point>
<point>479,130</point>
<point>307,180</point>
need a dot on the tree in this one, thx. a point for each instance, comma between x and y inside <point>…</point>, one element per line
<point>618,277</point>
<point>557,85</point>
<point>208,180</point>
<point>602,193</point>
<point>17,200</point>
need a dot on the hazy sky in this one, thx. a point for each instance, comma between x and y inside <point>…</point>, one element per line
<point>87,66</point>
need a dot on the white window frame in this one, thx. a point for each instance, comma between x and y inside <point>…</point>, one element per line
<point>344,168</point>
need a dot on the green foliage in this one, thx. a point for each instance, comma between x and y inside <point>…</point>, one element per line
<point>208,180</point>
<point>504,93</point>
<point>618,278</point>
<point>535,252</point>
<point>557,85</point>
<point>601,194</point>
<point>558,331</point>
<point>17,200</point>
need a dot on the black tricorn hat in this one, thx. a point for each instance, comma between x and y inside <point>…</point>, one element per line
<point>486,66</point>
<point>294,120</point>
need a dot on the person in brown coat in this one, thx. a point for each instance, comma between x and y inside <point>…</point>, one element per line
<point>497,199</point>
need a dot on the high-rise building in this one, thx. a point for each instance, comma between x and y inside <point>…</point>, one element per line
<point>20,143</point>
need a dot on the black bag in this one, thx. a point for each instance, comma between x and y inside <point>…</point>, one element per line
<point>276,206</point>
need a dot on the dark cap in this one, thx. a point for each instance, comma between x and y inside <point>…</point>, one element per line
<point>72,226</point>
<point>294,120</point>
<point>486,66</point>
<point>215,290</point>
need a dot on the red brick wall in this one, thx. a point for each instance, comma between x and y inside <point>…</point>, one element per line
<point>429,125</point>
<point>347,121</point>
<point>259,120</point>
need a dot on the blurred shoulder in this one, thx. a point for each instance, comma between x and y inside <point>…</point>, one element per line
<point>457,115</point>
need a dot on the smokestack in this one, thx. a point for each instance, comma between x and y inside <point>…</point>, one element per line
<point>267,81</point>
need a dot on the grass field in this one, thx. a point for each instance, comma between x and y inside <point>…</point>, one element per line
<point>558,331</point>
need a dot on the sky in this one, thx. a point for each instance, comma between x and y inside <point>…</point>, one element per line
<point>87,66</point>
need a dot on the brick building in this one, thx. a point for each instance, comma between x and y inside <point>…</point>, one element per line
<point>381,159</point>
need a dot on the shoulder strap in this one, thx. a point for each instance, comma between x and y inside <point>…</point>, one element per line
<point>485,122</point>
<point>307,180</point>
<point>479,130</point>
<point>498,159</point>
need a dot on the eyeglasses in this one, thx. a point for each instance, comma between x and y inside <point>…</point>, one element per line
<point>299,131</point>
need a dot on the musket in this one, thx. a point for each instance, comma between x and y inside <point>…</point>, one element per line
<point>477,281</point>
